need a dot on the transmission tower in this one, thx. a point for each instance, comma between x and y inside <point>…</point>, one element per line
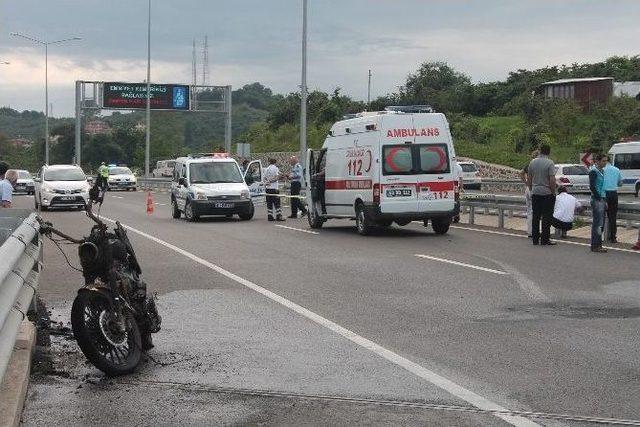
<point>194,65</point>
<point>205,61</point>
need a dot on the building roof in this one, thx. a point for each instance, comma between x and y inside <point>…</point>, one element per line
<point>588,79</point>
<point>631,89</point>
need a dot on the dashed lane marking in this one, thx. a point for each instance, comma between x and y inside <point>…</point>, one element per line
<point>412,367</point>
<point>297,229</point>
<point>461,264</point>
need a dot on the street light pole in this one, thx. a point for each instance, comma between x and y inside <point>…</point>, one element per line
<point>147,145</point>
<point>303,90</point>
<point>46,83</point>
<point>46,104</point>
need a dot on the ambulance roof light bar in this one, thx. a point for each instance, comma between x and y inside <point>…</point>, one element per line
<point>410,108</point>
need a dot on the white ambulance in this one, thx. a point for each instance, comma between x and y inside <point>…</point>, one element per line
<point>384,167</point>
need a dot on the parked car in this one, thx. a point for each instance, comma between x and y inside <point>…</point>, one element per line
<point>25,183</point>
<point>470,175</point>
<point>574,177</point>
<point>164,169</point>
<point>121,178</point>
<point>61,186</point>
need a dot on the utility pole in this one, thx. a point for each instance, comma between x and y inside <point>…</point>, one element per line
<point>194,64</point>
<point>369,91</point>
<point>303,90</point>
<point>205,61</point>
<point>147,145</point>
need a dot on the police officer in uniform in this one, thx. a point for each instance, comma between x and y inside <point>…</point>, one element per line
<point>103,176</point>
<point>271,178</point>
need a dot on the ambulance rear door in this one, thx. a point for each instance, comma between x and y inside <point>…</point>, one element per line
<point>398,180</point>
<point>435,154</point>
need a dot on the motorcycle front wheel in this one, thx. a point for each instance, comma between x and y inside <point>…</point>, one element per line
<point>110,342</point>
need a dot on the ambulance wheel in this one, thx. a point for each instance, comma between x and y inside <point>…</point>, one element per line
<point>175,211</point>
<point>188,213</point>
<point>314,219</point>
<point>363,225</point>
<point>440,225</point>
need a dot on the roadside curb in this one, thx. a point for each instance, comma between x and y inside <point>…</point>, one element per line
<point>13,389</point>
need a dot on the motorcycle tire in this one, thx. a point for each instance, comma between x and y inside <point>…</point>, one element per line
<point>108,348</point>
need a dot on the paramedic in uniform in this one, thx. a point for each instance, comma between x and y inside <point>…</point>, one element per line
<point>296,184</point>
<point>271,177</point>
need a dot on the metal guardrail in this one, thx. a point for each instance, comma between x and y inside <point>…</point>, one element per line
<point>21,255</point>
<point>155,183</point>
<point>505,205</point>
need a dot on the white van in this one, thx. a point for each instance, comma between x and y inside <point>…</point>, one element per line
<point>384,167</point>
<point>212,184</point>
<point>626,157</point>
<point>164,168</point>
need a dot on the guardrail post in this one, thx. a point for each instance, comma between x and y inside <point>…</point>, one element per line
<point>472,215</point>
<point>500,217</point>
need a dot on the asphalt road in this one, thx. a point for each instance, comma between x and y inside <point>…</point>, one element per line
<point>251,305</point>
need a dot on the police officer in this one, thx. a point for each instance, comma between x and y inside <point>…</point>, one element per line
<point>271,178</point>
<point>103,176</point>
<point>296,184</point>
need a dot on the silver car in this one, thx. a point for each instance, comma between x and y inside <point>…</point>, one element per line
<point>25,183</point>
<point>574,177</point>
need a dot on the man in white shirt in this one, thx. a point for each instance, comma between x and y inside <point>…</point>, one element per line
<point>564,211</point>
<point>271,178</point>
<point>8,179</point>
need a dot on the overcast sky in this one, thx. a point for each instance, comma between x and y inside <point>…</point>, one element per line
<point>259,40</point>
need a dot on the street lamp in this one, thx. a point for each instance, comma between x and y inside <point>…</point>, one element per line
<point>46,83</point>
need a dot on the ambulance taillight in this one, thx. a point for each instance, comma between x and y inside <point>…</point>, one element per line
<point>376,194</point>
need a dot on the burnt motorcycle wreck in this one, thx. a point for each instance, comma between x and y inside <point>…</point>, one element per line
<point>112,316</point>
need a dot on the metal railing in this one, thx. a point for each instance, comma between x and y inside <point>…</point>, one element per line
<point>20,262</point>
<point>154,183</point>
<point>505,206</point>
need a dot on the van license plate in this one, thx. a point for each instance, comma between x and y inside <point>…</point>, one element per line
<point>398,192</point>
<point>223,205</point>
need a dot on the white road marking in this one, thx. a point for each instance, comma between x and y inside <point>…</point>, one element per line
<point>461,264</point>
<point>522,236</point>
<point>298,229</point>
<point>420,371</point>
<point>117,197</point>
<point>161,204</point>
<point>527,285</point>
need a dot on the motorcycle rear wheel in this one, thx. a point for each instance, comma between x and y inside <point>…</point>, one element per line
<point>109,347</point>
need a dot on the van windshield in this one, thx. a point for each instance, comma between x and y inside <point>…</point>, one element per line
<point>214,172</point>
<point>415,159</point>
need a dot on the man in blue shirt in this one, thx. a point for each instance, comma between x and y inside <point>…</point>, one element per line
<point>8,180</point>
<point>296,184</point>
<point>612,180</point>
<point>598,201</point>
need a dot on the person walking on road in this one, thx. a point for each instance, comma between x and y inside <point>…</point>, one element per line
<point>457,176</point>
<point>271,180</point>
<point>541,180</point>
<point>296,185</point>
<point>598,201</point>
<point>564,211</point>
<point>612,180</point>
<point>7,185</point>
<point>524,174</point>
<point>103,176</point>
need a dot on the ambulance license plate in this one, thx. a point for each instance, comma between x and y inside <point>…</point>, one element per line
<point>223,205</point>
<point>398,192</point>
